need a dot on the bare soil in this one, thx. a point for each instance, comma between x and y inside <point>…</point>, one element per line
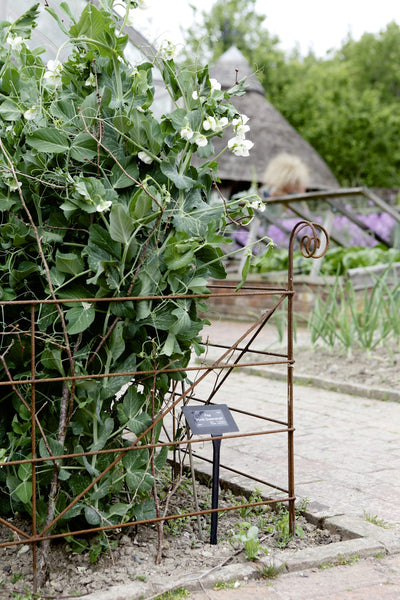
<point>186,554</point>
<point>376,369</point>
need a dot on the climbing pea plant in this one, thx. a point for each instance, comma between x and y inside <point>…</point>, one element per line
<point>101,199</point>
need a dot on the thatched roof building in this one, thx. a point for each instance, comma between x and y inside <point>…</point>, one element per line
<point>269,130</point>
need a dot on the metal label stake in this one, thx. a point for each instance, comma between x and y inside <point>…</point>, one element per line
<point>214,420</point>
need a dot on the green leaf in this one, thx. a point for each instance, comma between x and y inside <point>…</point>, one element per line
<point>140,205</point>
<point>211,259</point>
<point>100,239</point>
<point>131,405</point>
<point>97,28</point>
<point>69,263</point>
<point>121,224</point>
<point>119,180</point>
<point>139,423</point>
<point>51,359</point>
<point>170,345</point>
<point>90,109</point>
<point>103,435</point>
<point>179,252</point>
<point>79,318</point>
<point>117,342</point>
<point>92,516</point>
<point>26,22</point>
<point>5,202</point>
<point>64,110</point>
<point>136,460</point>
<point>182,182</point>
<point>25,472</point>
<point>50,140</point>
<point>83,147</point>
<point>114,384</point>
<point>55,16</point>
<point>183,321</point>
<point>145,511</point>
<point>139,481</point>
<point>245,271</point>
<point>161,458</point>
<point>24,491</point>
<point>24,270</point>
<point>9,111</point>
<point>194,215</point>
<point>57,449</point>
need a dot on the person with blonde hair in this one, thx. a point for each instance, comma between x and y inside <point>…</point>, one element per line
<point>285,174</point>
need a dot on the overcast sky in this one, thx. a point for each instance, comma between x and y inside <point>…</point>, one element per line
<point>309,24</point>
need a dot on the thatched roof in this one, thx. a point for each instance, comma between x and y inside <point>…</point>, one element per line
<point>269,130</point>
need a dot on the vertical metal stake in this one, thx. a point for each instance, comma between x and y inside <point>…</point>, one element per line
<point>215,490</point>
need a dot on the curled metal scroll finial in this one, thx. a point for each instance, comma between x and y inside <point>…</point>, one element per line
<point>310,242</point>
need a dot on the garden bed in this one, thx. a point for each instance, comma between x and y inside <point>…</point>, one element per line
<point>186,554</point>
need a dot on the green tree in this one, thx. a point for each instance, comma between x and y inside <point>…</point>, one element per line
<point>353,129</point>
<point>229,23</point>
<point>374,61</point>
<point>345,105</point>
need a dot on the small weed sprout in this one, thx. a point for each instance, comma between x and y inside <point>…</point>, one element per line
<point>375,520</point>
<point>270,570</point>
<point>340,560</point>
<point>177,594</point>
<point>226,585</point>
<point>248,538</point>
<point>282,529</point>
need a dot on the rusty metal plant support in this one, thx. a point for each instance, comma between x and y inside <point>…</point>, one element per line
<point>231,358</point>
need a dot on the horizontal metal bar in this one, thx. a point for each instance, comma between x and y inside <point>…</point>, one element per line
<point>268,291</point>
<point>38,538</point>
<point>133,447</point>
<point>211,367</point>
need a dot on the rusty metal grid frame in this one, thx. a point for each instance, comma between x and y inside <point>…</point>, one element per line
<point>310,246</point>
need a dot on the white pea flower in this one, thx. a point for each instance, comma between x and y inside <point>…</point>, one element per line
<point>31,113</point>
<point>241,120</point>
<point>144,157</point>
<point>103,205</point>
<point>168,50</point>
<point>239,125</point>
<point>222,122</point>
<point>90,81</point>
<point>187,132</point>
<point>241,130</point>
<point>257,205</point>
<point>53,73</point>
<point>200,140</point>
<point>16,42</point>
<point>86,305</point>
<point>240,146</point>
<point>215,85</point>
<point>210,123</point>
<point>13,185</point>
<point>195,95</point>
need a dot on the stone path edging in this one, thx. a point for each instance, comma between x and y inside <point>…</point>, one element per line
<point>329,384</point>
<point>368,540</point>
